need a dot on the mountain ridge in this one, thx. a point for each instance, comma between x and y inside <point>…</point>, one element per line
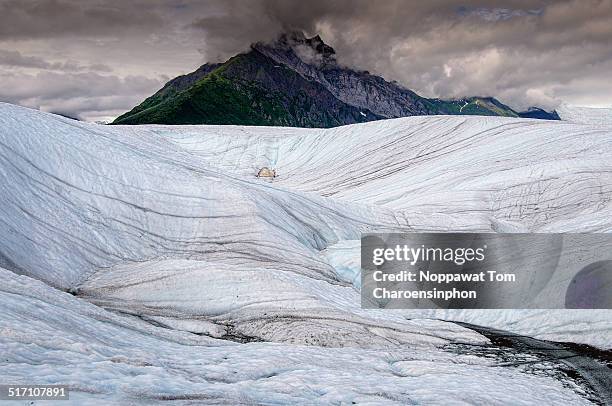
<point>295,81</point>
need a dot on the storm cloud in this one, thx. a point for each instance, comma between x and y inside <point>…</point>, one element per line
<point>522,52</point>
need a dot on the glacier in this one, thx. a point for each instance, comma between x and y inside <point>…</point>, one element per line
<point>149,263</point>
<point>585,115</point>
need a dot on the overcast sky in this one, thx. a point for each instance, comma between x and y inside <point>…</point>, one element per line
<point>96,59</point>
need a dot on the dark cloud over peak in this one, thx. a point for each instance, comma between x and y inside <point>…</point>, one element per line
<point>520,51</point>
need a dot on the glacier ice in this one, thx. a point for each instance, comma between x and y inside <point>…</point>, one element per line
<point>601,116</point>
<point>193,279</point>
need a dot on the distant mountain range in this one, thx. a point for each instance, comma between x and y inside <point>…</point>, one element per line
<point>296,82</point>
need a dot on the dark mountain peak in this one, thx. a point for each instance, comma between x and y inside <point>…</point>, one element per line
<point>321,47</point>
<point>536,112</point>
<point>292,81</point>
<point>295,44</point>
<point>295,38</point>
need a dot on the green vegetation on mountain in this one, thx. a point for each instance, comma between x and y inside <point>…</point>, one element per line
<point>214,99</point>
